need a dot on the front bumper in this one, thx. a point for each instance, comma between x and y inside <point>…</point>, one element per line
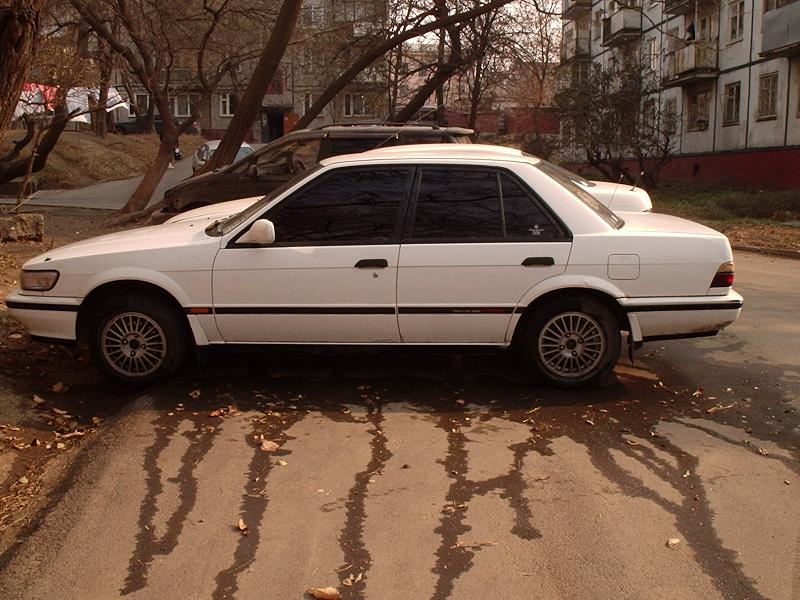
<point>45,316</point>
<point>680,317</point>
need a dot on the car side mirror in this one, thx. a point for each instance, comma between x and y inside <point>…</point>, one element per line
<point>261,233</point>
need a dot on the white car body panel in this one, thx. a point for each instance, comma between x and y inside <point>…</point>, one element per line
<point>656,267</point>
<point>620,197</point>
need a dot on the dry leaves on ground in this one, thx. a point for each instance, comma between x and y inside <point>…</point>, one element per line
<point>328,593</point>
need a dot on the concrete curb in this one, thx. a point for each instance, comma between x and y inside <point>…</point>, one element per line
<point>784,252</point>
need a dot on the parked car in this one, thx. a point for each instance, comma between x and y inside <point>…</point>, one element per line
<point>415,245</point>
<point>277,162</point>
<point>205,152</point>
<point>134,126</point>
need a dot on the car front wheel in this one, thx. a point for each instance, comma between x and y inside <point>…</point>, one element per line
<point>572,341</point>
<point>138,340</point>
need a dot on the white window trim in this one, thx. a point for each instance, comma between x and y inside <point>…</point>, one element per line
<point>352,112</point>
<point>774,114</point>
<point>733,9</point>
<point>131,114</point>
<point>224,105</point>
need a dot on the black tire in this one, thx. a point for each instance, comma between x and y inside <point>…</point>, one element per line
<point>153,332</point>
<point>570,342</point>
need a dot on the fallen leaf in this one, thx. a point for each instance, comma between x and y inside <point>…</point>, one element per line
<point>685,475</point>
<point>328,593</point>
<point>714,409</point>
<point>787,482</point>
<point>37,400</point>
<point>281,462</point>
<point>632,442</point>
<point>590,422</point>
<point>268,446</point>
<point>672,542</point>
<point>242,526</point>
<point>96,420</point>
<point>405,467</point>
<point>58,411</point>
<point>59,387</point>
<point>15,336</point>
<point>763,452</point>
<point>22,480</point>
<point>61,445</point>
<point>698,392</point>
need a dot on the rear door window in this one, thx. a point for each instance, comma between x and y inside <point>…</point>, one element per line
<point>477,205</point>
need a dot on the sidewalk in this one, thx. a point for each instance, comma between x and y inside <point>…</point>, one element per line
<point>109,195</point>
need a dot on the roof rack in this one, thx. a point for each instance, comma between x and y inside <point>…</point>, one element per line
<point>386,123</point>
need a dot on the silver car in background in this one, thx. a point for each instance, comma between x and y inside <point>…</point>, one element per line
<point>205,152</point>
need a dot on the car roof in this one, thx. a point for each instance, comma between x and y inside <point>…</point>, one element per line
<point>436,151</point>
<point>214,144</point>
<point>386,128</point>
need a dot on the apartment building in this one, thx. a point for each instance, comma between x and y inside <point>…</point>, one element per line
<point>730,69</point>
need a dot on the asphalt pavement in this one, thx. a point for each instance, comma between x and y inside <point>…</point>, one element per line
<point>433,477</point>
<point>109,195</point>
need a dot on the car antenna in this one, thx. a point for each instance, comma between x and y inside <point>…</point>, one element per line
<point>616,187</point>
<point>414,122</point>
<point>638,179</point>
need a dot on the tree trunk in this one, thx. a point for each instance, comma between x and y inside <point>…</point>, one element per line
<point>152,177</point>
<point>475,96</point>
<point>249,105</point>
<point>382,47</point>
<point>19,166</point>
<point>19,27</point>
<point>99,119</point>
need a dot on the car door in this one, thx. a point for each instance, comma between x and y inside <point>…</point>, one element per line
<point>475,241</point>
<point>330,276</point>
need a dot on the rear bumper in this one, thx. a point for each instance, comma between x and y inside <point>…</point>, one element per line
<point>45,316</point>
<point>682,317</point>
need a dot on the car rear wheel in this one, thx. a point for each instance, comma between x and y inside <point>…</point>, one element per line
<point>138,340</point>
<point>572,341</point>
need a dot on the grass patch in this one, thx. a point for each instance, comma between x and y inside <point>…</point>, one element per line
<point>749,218</point>
<point>80,158</point>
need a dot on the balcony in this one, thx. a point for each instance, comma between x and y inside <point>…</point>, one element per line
<point>574,47</point>
<point>678,7</point>
<point>691,64</point>
<point>781,34</point>
<point>574,9</point>
<point>622,27</point>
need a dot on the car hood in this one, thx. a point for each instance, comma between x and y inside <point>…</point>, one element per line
<point>156,237</point>
<point>650,222</point>
<point>213,212</point>
<point>621,197</point>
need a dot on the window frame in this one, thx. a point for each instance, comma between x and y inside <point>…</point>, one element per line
<point>730,119</point>
<point>136,96</point>
<point>737,10</point>
<point>348,106</point>
<point>760,114</point>
<point>563,234</point>
<point>225,99</point>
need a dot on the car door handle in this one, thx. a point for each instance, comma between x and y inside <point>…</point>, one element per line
<point>538,261</point>
<point>372,263</point>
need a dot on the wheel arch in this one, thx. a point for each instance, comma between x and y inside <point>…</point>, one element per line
<point>110,289</point>
<point>599,295</point>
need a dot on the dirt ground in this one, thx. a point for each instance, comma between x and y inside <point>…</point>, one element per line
<point>39,434</point>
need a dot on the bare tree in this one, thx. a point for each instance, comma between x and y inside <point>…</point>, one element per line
<point>19,28</point>
<point>615,119</point>
<point>172,46</point>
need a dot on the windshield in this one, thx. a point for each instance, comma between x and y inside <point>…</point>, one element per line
<point>602,210</point>
<point>227,225</point>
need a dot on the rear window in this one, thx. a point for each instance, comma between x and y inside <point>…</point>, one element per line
<point>601,209</point>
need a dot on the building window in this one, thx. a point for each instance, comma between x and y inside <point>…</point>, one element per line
<point>767,94</point>
<point>597,25</point>
<point>698,110</point>
<point>142,102</point>
<point>730,114</point>
<point>736,9</point>
<point>182,104</point>
<point>355,105</point>
<point>651,54</point>
<point>227,105</point>
<point>313,15</point>
<point>308,100</point>
<point>670,125</point>
<point>649,115</point>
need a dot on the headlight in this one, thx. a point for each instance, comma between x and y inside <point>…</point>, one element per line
<point>38,281</point>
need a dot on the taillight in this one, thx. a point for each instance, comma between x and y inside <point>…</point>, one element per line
<point>724,276</point>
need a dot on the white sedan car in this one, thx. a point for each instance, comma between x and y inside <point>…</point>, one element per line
<point>416,245</point>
